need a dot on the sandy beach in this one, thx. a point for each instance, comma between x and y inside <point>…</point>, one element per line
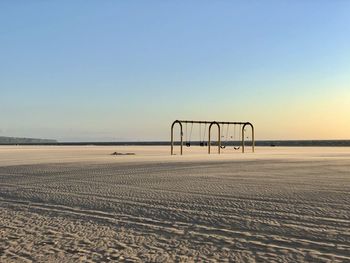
<point>82,204</point>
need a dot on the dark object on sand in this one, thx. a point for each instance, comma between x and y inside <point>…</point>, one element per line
<point>116,153</point>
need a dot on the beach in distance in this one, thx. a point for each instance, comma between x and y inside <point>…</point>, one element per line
<point>84,204</point>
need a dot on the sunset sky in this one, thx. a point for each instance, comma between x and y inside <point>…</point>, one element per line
<point>124,70</point>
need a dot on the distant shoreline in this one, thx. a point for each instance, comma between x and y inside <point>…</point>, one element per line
<point>266,143</point>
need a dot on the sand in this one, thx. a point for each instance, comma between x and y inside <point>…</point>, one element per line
<point>81,204</point>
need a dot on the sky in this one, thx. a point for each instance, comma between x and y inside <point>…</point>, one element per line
<point>125,70</point>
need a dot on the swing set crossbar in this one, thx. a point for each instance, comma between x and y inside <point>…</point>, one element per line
<point>210,122</point>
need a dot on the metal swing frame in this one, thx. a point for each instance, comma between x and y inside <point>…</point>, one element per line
<point>211,123</point>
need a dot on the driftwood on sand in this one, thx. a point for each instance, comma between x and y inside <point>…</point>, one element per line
<point>118,153</point>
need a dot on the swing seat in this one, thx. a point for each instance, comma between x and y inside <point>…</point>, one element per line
<point>188,144</point>
<point>223,146</point>
<point>201,144</point>
<point>237,148</point>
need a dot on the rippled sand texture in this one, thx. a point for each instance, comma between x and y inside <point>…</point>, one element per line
<point>268,207</point>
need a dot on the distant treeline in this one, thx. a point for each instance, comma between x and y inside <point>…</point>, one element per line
<point>15,140</point>
<point>310,143</point>
<point>272,143</point>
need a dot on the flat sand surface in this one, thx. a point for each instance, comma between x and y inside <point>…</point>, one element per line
<point>81,204</point>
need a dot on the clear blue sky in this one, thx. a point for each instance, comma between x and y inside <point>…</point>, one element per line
<point>120,70</point>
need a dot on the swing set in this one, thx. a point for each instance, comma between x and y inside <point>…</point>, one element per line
<point>226,136</point>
